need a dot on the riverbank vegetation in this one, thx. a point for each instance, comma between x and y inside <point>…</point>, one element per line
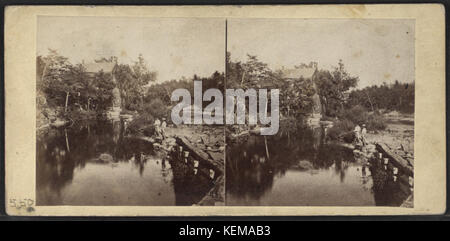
<point>157,103</point>
<point>370,106</point>
<point>340,100</point>
<point>70,92</point>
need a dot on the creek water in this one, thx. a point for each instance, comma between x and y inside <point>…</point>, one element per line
<point>94,163</point>
<point>302,169</point>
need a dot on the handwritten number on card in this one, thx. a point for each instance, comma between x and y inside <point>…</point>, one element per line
<point>21,203</point>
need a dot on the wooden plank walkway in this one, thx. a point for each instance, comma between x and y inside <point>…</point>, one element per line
<point>205,158</point>
<point>397,160</point>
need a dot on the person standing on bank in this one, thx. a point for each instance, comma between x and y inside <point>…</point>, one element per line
<point>157,125</point>
<point>163,128</point>
<point>363,134</point>
<point>357,132</point>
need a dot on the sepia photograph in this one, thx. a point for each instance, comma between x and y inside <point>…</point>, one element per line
<point>104,132</point>
<point>346,113</point>
<point>290,110</point>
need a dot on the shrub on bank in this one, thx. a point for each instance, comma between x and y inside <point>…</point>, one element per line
<point>376,122</point>
<point>149,130</point>
<point>156,108</point>
<point>342,129</point>
<point>357,115</point>
<point>142,124</point>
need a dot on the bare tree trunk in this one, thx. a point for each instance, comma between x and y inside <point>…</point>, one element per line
<point>370,101</point>
<point>67,140</point>
<point>243,75</point>
<point>43,72</point>
<point>67,101</point>
<point>267,149</point>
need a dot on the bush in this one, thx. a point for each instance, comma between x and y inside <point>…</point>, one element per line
<point>149,130</point>
<point>156,108</point>
<point>143,124</point>
<point>341,130</point>
<point>376,122</point>
<point>357,114</point>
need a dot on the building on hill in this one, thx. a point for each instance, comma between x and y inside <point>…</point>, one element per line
<point>306,72</point>
<point>96,67</point>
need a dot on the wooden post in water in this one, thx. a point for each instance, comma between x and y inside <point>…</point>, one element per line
<point>67,140</point>
<point>267,149</point>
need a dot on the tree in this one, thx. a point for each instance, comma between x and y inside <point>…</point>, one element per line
<point>295,96</point>
<point>103,90</point>
<point>126,81</point>
<point>252,73</point>
<point>59,78</point>
<point>398,96</point>
<point>73,83</point>
<point>333,87</point>
<point>143,76</point>
<point>131,82</point>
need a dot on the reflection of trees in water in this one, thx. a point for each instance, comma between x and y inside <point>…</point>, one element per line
<point>248,171</point>
<point>189,188</point>
<point>104,143</point>
<point>60,151</point>
<point>387,192</point>
<point>55,165</point>
<point>251,172</point>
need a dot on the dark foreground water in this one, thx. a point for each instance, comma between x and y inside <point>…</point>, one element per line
<point>94,164</point>
<point>300,168</point>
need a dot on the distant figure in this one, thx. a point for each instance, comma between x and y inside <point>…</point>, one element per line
<point>157,125</point>
<point>357,131</point>
<point>363,134</point>
<point>163,128</point>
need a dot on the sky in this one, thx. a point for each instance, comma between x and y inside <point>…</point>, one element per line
<point>376,51</point>
<point>174,47</point>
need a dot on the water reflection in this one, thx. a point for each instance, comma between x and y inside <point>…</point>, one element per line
<point>94,164</point>
<point>301,168</point>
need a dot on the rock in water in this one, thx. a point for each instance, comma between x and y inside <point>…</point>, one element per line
<point>306,165</point>
<point>105,157</point>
